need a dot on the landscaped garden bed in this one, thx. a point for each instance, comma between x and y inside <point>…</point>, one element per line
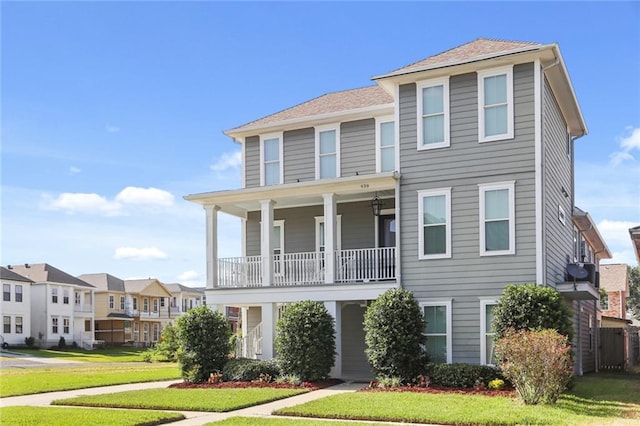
<point>257,384</point>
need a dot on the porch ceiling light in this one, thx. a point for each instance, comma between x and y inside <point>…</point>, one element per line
<point>376,205</point>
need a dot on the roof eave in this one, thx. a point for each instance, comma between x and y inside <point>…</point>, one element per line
<point>586,225</point>
<point>634,233</point>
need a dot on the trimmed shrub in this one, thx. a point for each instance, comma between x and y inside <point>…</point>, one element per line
<point>394,328</point>
<point>305,341</point>
<point>30,341</point>
<point>247,370</point>
<point>461,375</point>
<point>203,336</point>
<point>531,307</point>
<point>538,363</point>
<point>62,343</point>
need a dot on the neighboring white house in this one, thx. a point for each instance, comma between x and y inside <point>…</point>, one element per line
<point>16,307</point>
<point>184,298</point>
<point>61,306</point>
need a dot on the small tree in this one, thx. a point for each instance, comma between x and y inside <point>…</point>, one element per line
<point>203,336</point>
<point>167,347</point>
<point>394,334</point>
<point>531,307</point>
<point>305,341</point>
<point>538,363</point>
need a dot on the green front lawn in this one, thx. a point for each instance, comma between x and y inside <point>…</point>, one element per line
<point>274,421</point>
<point>215,400</point>
<point>48,379</point>
<point>64,416</point>
<point>96,355</point>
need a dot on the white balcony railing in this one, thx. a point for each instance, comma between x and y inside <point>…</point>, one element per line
<point>308,268</point>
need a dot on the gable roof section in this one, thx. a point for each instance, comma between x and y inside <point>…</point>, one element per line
<point>139,286</point>
<point>104,282</point>
<point>43,272</point>
<point>177,288</point>
<point>8,274</point>
<point>614,277</point>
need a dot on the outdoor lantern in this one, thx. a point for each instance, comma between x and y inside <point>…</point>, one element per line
<point>376,205</point>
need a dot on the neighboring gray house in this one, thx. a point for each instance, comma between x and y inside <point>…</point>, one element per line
<point>451,177</point>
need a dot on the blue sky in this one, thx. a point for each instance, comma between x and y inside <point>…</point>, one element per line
<point>112,111</point>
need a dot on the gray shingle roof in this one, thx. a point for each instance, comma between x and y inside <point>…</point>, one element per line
<point>104,282</point>
<point>7,274</point>
<point>43,272</point>
<point>177,287</point>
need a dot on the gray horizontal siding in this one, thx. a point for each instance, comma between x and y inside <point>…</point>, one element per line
<point>358,147</point>
<point>299,155</point>
<point>252,162</point>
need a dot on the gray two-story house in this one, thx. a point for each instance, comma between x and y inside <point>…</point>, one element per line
<point>451,177</point>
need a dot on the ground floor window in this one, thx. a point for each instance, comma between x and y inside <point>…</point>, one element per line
<point>65,325</point>
<point>156,332</point>
<point>6,320</point>
<point>18,325</point>
<point>487,334</point>
<point>87,325</point>
<point>145,332</point>
<point>136,332</point>
<point>437,314</point>
<point>54,325</point>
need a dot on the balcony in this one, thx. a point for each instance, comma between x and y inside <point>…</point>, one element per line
<point>308,268</point>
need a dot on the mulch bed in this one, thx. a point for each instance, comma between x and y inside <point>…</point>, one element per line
<point>238,385</point>
<point>509,393</point>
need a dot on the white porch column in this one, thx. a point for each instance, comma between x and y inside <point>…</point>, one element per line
<point>266,241</point>
<point>269,312</point>
<point>212,244</point>
<point>329,238</point>
<point>335,309</point>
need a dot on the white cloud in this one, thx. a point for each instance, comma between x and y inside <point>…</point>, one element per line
<point>74,203</point>
<point>191,278</point>
<point>228,160</point>
<point>147,196</point>
<point>74,170</point>
<point>144,253</point>
<point>111,128</point>
<point>188,275</point>
<point>616,235</point>
<point>628,144</point>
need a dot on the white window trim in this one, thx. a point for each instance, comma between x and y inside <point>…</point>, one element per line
<point>430,193</point>
<point>483,187</point>
<point>445,105</point>
<point>280,137</point>
<point>483,326</point>
<point>280,223</point>
<point>326,128</point>
<point>379,122</point>
<point>508,71</point>
<point>319,220</point>
<point>447,303</point>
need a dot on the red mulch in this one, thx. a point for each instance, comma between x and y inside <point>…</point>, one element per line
<point>238,385</point>
<point>439,389</point>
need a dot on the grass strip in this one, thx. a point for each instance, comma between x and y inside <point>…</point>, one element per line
<point>96,355</point>
<point>48,379</point>
<point>275,421</point>
<point>64,416</point>
<point>213,400</point>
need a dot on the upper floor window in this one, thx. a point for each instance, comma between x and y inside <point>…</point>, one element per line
<point>320,233</point>
<point>65,296</point>
<point>497,218</point>
<point>111,302</point>
<point>434,223</point>
<point>438,330</point>
<point>18,293</point>
<point>145,305</point>
<point>495,104</point>
<point>433,113</point>
<point>54,295</point>
<point>327,152</point>
<point>385,144</point>
<point>122,303</point>
<point>271,159</point>
<point>135,303</point>
<point>77,298</point>
<point>6,292</point>
<point>155,305</point>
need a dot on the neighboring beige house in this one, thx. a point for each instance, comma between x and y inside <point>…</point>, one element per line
<point>61,306</point>
<point>149,302</point>
<point>16,307</point>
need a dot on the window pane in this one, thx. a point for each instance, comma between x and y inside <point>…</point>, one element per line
<point>490,355</point>
<point>321,232</point>
<point>497,235</point>
<point>433,129</point>
<point>387,134</point>
<point>496,204</point>
<point>272,173</point>
<point>436,317</point>
<point>437,349</point>
<point>435,239</point>
<point>328,166</point>
<point>276,237</point>
<point>388,159</point>
<point>328,142</point>
<point>434,210</point>
<point>432,100</point>
<point>495,120</point>
<point>488,316</point>
<point>495,89</point>
<point>271,149</point>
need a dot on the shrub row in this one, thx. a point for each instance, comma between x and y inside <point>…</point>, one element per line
<point>247,370</point>
<point>461,375</point>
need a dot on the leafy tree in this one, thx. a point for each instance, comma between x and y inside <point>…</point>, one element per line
<point>394,334</point>
<point>531,307</point>
<point>633,301</point>
<point>167,347</point>
<point>305,341</point>
<point>203,336</point>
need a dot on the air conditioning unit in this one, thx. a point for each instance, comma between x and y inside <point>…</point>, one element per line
<point>582,272</point>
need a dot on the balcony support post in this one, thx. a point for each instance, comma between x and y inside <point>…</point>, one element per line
<point>266,241</point>
<point>269,312</point>
<point>329,237</point>
<point>335,310</point>
<point>212,244</point>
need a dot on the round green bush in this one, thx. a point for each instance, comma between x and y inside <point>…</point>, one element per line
<point>394,328</point>
<point>305,341</point>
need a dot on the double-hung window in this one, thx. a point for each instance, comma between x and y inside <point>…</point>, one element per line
<point>487,351</point>
<point>65,325</point>
<point>385,144</point>
<point>54,295</point>
<point>6,292</point>
<point>18,325</point>
<point>497,218</point>
<point>434,223</point>
<point>433,113</point>
<point>438,330</point>
<point>271,170</point>
<point>495,104</point>
<point>65,296</point>
<point>54,325</point>
<point>77,298</point>
<point>18,293</point>
<point>112,302</point>
<point>6,322</point>
<point>122,303</point>
<point>327,152</point>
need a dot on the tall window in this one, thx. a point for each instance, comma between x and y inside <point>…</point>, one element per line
<point>6,321</point>
<point>145,332</point>
<point>495,104</point>
<point>54,295</point>
<point>271,159</point>
<point>136,331</point>
<point>18,293</point>
<point>112,302</point>
<point>122,303</point>
<point>135,303</point>
<point>155,305</point>
<point>87,325</point>
<point>77,298</point>
<point>145,305</point>
<point>487,351</point>
<point>65,325</point>
<point>6,292</point>
<point>497,218</point>
<point>278,249</point>
<point>54,325</point>
<point>438,330</point>
<point>320,233</point>
<point>327,152</point>
<point>65,296</point>
<point>386,144</point>
<point>433,113</point>
<point>156,332</point>
<point>434,223</point>
<point>18,325</point>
